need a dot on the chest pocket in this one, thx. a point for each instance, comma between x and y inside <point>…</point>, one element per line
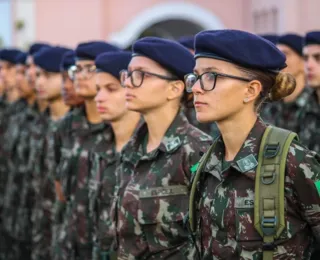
<point>161,219</point>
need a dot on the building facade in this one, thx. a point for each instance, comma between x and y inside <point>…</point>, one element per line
<point>67,22</point>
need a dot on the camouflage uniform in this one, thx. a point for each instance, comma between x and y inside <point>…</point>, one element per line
<point>11,178</point>
<point>77,139</point>
<point>309,131</point>
<point>152,195</point>
<point>102,187</point>
<point>225,226</point>
<point>43,187</point>
<point>287,115</point>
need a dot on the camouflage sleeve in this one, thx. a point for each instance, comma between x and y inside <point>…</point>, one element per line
<point>306,183</point>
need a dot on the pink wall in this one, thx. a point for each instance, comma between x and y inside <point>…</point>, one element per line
<point>72,21</point>
<point>232,13</point>
<point>68,21</point>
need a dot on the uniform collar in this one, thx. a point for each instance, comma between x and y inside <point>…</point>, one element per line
<point>172,140</point>
<point>246,160</point>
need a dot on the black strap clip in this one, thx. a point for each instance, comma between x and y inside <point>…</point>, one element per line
<point>271,150</point>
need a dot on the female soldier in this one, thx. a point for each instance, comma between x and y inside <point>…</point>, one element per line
<point>111,105</point>
<point>155,165</point>
<point>229,83</point>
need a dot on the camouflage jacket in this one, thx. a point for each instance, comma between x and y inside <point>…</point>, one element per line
<point>25,199</point>
<point>309,132</point>
<point>77,139</point>
<point>152,192</point>
<point>102,190</point>
<point>287,115</point>
<point>42,215</point>
<point>13,164</point>
<point>225,225</point>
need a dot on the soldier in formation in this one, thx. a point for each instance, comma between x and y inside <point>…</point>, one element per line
<point>98,159</point>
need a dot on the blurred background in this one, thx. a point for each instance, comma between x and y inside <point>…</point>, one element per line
<point>68,22</point>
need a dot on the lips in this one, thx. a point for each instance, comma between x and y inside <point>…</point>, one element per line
<point>101,109</point>
<point>130,96</point>
<point>198,103</point>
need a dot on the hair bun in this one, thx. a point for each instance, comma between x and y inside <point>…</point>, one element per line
<point>284,86</point>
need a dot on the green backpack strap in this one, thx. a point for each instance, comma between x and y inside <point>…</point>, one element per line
<point>269,215</point>
<point>202,164</point>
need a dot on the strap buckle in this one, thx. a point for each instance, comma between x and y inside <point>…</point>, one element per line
<point>271,150</point>
<point>269,246</point>
<point>268,225</point>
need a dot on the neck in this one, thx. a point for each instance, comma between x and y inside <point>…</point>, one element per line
<point>31,100</point>
<point>91,111</point>
<point>57,109</point>
<point>124,128</point>
<point>42,105</point>
<point>300,84</point>
<point>158,122</point>
<point>234,132</point>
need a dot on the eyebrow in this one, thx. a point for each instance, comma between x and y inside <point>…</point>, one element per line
<point>137,68</point>
<point>106,85</point>
<point>207,69</point>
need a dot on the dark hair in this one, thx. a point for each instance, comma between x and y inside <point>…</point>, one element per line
<point>276,86</point>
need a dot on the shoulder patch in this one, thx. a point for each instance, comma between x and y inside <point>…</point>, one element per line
<point>194,167</point>
<point>317,183</point>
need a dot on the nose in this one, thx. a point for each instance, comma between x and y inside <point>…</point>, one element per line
<point>127,83</point>
<point>100,97</point>
<point>196,89</point>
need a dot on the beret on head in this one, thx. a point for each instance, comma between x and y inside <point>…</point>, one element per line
<point>68,60</point>
<point>10,55</point>
<point>90,50</point>
<point>242,48</point>
<point>50,58</point>
<point>113,62</point>
<point>294,41</point>
<point>312,38</point>
<point>37,47</point>
<point>22,58</point>
<point>270,37</point>
<point>169,54</point>
<point>187,41</point>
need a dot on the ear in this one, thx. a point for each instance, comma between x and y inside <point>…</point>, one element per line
<point>252,91</point>
<point>175,90</point>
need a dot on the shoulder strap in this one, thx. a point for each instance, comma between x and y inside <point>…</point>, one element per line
<point>269,215</point>
<point>202,164</point>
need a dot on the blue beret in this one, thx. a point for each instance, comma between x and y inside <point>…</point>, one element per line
<point>37,47</point>
<point>242,48</point>
<point>187,41</point>
<point>50,58</point>
<point>113,62</point>
<point>22,58</point>
<point>293,41</point>
<point>10,55</point>
<point>312,38</point>
<point>271,37</point>
<point>169,54</point>
<point>90,50</point>
<point>68,59</point>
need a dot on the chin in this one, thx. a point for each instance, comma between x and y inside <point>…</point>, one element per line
<point>206,118</point>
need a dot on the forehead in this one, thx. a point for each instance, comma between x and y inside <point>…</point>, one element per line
<point>4,63</point>
<point>84,62</point>
<point>311,49</point>
<point>20,66</point>
<point>209,64</point>
<point>105,78</point>
<point>141,62</point>
<point>284,48</point>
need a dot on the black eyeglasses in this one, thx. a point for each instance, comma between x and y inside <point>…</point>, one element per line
<point>207,80</point>
<point>137,77</point>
